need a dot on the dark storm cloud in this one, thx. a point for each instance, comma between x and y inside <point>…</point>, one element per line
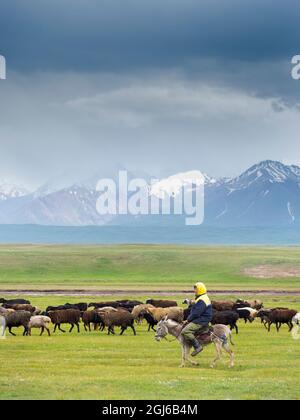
<point>152,84</point>
<point>115,35</point>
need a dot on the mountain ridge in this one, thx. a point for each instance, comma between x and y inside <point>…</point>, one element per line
<point>265,194</point>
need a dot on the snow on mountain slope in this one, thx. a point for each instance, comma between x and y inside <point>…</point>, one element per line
<point>267,194</point>
<point>266,171</point>
<point>9,190</point>
<point>173,185</point>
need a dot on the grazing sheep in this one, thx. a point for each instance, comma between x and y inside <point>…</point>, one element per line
<point>82,307</point>
<point>254,304</point>
<point>296,319</point>
<point>23,307</point>
<point>92,317</point>
<point>263,314</point>
<point>279,317</point>
<point>41,322</point>
<point>109,309</point>
<point>226,318</point>
<point>120,318</point>
<point>55,308</point>
<point>151,322</point>
<point>17,319</point>
<point>106,310</point>
<point>222,306</point>
<point>174,313</point>
<point>247,314</point>
<point>4,311</point>
<point>128,304</point>
<point>66,316</point>
<point>15,301</point>
<point>161,303</point>
<point>138,312</point>
<point>100,305</point>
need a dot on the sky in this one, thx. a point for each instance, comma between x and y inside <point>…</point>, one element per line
<point>155,86</point>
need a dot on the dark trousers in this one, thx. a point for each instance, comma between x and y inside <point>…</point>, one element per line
<point>191,330</point>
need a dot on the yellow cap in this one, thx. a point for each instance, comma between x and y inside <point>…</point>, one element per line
<point>200,289</point>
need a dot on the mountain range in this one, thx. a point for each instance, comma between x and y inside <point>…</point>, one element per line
<point>267,194</point>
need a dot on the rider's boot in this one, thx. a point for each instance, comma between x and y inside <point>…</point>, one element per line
<point>197,346</point>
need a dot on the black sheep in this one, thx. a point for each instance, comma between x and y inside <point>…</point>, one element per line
<point>229,318</point>
<point>15,301</point>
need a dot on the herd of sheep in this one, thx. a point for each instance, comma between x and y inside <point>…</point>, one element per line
<point>125,313</point>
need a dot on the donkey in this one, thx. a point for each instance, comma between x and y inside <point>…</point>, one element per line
<point>219,336</point>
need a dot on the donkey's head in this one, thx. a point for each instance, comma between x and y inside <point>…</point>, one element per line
<point>162,329</point>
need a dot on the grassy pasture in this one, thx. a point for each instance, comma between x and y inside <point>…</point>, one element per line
<point>134,266</point>
<point>96,366</point>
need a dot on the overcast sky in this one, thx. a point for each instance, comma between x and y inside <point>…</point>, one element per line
<point>160,86</point>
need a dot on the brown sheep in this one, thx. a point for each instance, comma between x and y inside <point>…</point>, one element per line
<point>17,319</point>
<point>161,303</point>
<point>93,317</point>
<point>88,318</point>
<point>4,311</point>
<point>174,313</point>
<point>23,307</point>
<point>120,318</point>
<point>279,317</point>
<point>66,316</point>
<point>224,305</point>
<point>138,312</point>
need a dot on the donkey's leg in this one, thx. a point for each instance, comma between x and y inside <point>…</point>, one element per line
<point>227,348</point>
<point>193,362</point>
<point>183,357</point>
<point>218,347</point>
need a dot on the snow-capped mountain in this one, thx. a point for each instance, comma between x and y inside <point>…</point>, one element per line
<point>9,190</point>
<point>73,206</point>
<point>172,185</point>
<point>267,194</point>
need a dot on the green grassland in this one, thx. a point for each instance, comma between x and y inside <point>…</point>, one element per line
<point>97,366</point>
<point>137,266</point>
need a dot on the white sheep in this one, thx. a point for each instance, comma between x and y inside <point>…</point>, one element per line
<point>296,319</point>
<point>39,322</point>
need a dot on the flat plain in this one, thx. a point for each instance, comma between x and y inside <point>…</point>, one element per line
<point>93,365</point>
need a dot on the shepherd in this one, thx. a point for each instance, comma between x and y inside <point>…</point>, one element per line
<point>195,332</point>
<point>199,318</point>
